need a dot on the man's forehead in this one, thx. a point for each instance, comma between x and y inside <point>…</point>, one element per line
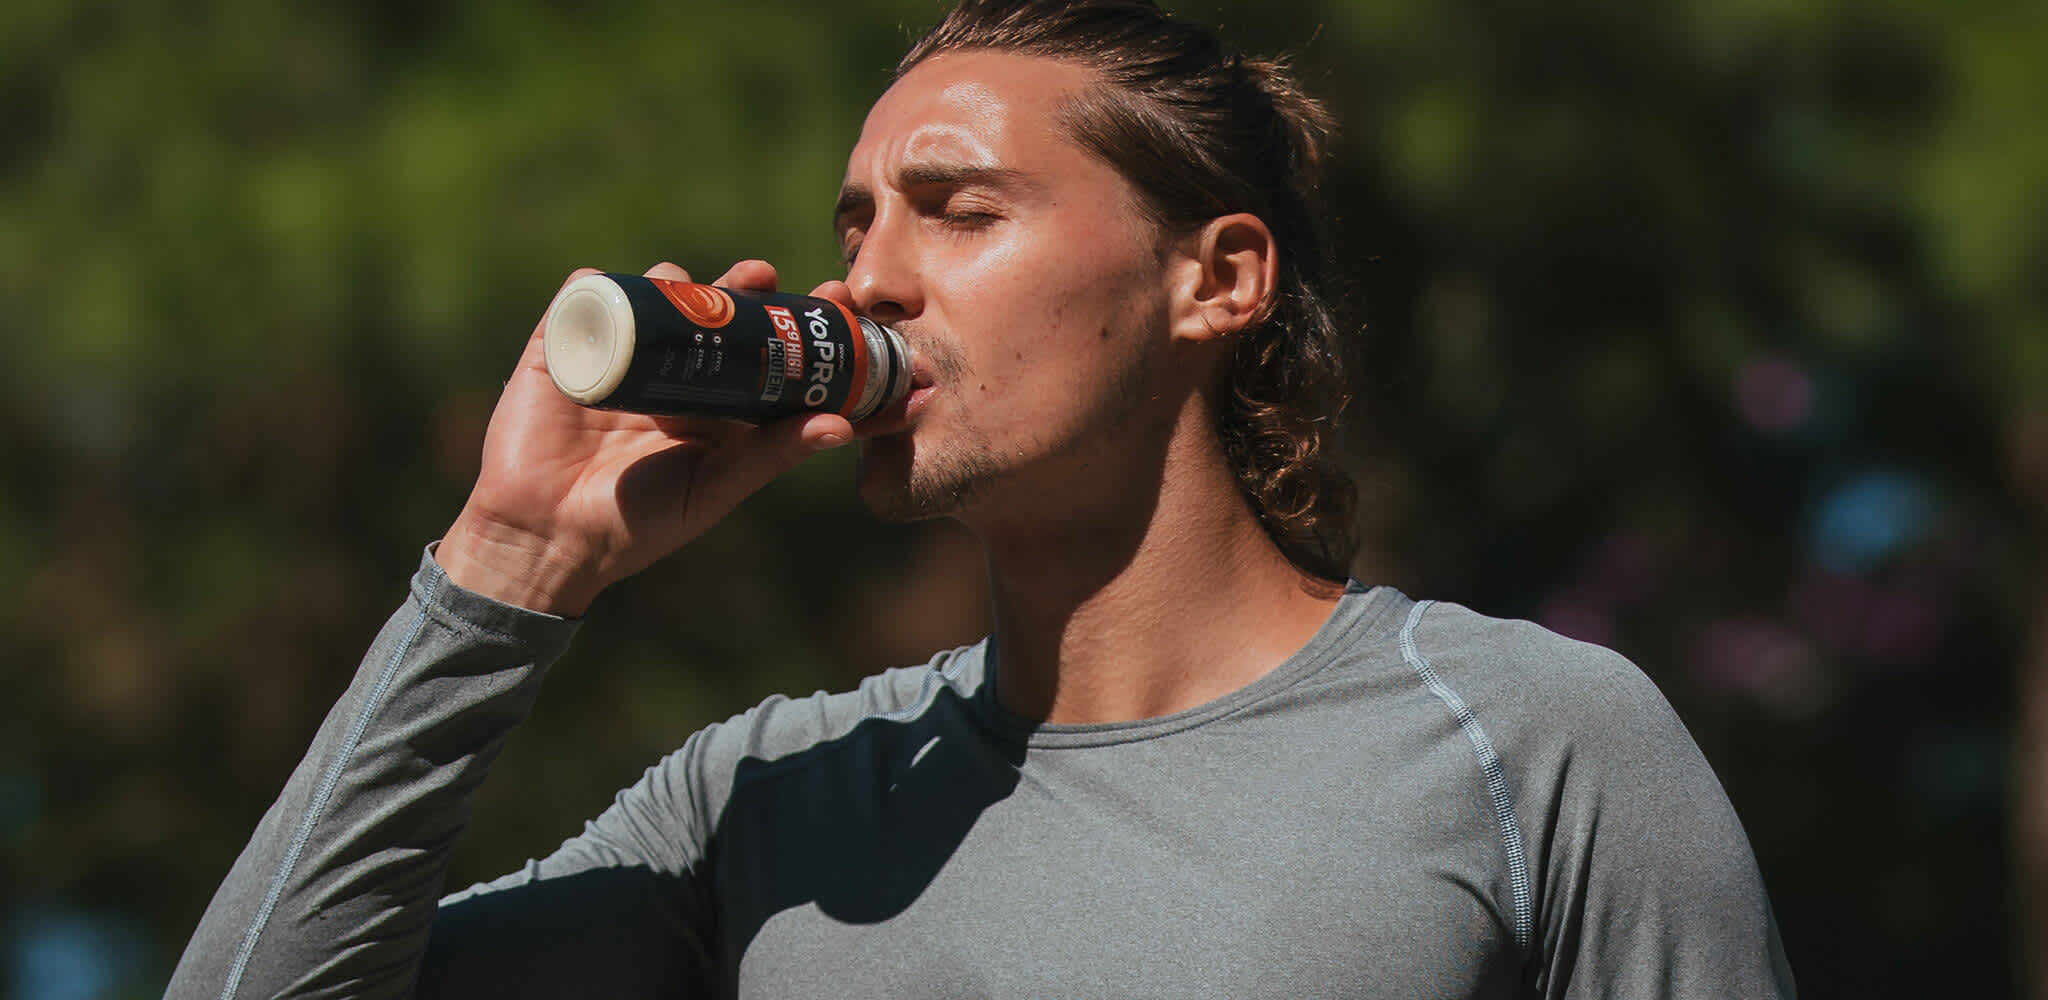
<point>972,109</point>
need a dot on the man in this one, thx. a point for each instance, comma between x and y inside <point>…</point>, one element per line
<point>1189,760</point>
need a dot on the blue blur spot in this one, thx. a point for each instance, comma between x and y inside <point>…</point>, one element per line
<point>62,954</point>
<point>1868,518</point>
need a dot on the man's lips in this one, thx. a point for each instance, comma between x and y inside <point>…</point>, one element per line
<point>902,414</point>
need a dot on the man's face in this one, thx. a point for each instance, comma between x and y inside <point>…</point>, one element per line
<point>1024,275</point>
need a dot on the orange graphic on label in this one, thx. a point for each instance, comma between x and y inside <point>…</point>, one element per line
<point>700,304</point>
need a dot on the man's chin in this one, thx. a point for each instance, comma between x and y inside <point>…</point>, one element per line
<point>896,487</point>
<point>899,499</point>
<point>882,477</point>
<point>899,503</point>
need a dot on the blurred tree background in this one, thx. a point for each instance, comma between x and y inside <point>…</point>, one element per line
<point>1712,330</point>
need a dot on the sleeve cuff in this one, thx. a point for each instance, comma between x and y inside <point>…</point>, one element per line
<point>459,607</point>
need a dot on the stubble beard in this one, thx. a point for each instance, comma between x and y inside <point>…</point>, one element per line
<point>898,486</point>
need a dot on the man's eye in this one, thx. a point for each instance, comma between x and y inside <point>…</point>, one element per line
<point>967,220</point>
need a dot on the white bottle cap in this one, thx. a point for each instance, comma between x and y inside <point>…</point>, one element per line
<point>588,338</point>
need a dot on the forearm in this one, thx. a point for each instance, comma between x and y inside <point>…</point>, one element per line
<point>335,892</point>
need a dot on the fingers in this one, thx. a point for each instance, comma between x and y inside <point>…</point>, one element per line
<point>787,440</point>
<point>668,272</point>
<point>784,444</point>
<point>757,275</point>
<point>837,291</point>
<point>697,482</point>
<point>779,445</point>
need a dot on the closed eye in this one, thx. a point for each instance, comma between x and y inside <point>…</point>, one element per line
<point>967,220</point>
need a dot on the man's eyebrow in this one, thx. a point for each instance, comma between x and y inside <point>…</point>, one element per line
<point>956,173</point>
<point>854,197</point>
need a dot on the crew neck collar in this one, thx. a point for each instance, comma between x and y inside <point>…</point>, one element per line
<point>1359,611</point>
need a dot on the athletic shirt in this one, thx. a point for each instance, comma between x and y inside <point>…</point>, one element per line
<point>1420,802</point>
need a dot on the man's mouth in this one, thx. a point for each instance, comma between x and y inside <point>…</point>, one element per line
<point>902,414</point>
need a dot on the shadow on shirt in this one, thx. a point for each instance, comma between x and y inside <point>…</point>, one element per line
<point>859,826</point>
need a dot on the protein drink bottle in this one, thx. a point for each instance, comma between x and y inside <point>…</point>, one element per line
<point>651,345</point>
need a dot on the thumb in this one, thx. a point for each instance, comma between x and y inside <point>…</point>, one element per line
<point>701,477</point>
<point>783,444</point>
<point>820,432</point>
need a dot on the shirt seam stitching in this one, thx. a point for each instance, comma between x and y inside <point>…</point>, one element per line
<point>322,795</point>
<point>1490,767</point>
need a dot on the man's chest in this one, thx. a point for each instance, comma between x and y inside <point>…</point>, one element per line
<point>1137,929</point>
<point>1113,881</point>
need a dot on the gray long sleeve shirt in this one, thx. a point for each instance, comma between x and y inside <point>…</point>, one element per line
<point>1420,802</point>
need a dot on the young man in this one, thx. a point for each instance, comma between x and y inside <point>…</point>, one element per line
<point>1189,760</point>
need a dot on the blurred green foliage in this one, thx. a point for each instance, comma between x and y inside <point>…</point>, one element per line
<point>1711,329</point>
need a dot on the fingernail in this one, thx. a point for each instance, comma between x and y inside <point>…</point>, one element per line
<point>830,441</point>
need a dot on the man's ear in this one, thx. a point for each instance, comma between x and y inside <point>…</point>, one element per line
<point>1226,277</point>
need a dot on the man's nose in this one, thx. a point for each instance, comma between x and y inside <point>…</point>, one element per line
<point>884,278</point>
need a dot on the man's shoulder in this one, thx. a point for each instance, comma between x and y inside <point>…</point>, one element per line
<point>1522,680</point>
<point>1457,641</point>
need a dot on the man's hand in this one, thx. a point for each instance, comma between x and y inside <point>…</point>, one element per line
<point>572,499</point>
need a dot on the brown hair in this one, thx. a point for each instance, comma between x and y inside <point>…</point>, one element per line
<point>1202,132</point>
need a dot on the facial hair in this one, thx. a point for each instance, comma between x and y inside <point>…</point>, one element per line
<point>940,486</point>
<point>934,485</point>
<point>944,483</point>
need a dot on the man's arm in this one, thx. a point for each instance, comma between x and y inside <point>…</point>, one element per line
<point>1629,874</point>
<point>1645,882</point>
<point>570,500</point>
<point>335,892</point>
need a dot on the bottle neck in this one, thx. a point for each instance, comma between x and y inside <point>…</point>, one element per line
<point>888,369</point>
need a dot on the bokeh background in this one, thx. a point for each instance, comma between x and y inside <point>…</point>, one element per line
<point>1712,330</point>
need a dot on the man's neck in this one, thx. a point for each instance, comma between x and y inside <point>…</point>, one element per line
<point>1145,610</point>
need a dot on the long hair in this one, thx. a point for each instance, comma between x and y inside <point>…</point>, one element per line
<point>1200,132</point>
